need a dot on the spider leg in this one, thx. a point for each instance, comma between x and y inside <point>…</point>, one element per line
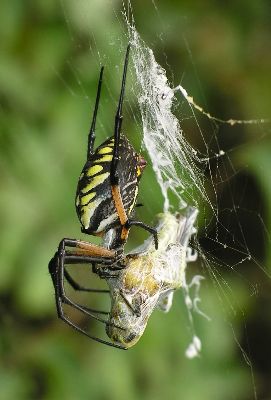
<point>75,285</point>
<point>148,228</point>
<point>56,269</point>
<point>65,319</point>
<point>108,273</point>
<point>88,250</point>
<point>87,253</point>
<point>90,254</point>
<point>118,123</point>
<point>125,222</point>
<point>80,288</point>
<point>91,136</point>
<point>95,311</point>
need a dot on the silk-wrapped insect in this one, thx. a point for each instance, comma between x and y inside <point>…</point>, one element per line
<point>150,278</point>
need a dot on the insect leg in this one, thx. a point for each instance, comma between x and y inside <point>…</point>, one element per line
<point>136,311</point>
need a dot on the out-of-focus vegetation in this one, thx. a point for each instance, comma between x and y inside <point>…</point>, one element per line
<point>47,69</point>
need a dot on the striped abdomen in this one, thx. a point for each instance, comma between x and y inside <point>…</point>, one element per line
<point>94,202</point>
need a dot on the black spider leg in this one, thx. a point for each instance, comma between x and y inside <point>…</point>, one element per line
<point>72,259</point>
<point>118,122</point>
<point>91,136</point>
<point>56,269</point>
<point>80,288</point>
<point>111,274</point>
<point>114,180</point>
<point>54,266</point>
<point>108,271</point>
<point>148,228</point>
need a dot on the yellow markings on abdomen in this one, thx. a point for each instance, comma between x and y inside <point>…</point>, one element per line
<point>86,199</point>
<point>105,158</point>
<point>88,211</point>
<point>95,169</point>
<point>105,150</point>
<point>97,180</point>
<point>134,201</point>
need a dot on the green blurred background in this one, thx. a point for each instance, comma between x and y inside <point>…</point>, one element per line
<point>49,65</point>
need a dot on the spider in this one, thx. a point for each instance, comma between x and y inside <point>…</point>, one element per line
<point>105,199</point>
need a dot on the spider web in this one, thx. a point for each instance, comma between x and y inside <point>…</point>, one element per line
<point>180,169</point>
<point>177,165</point>
<point>174,161</point>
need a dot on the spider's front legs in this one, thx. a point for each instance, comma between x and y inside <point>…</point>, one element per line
<point>91,136</point>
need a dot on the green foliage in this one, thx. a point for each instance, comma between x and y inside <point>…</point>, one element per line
<point>48,74</point>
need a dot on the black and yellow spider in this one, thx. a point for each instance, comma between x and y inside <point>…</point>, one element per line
<point>105,199</point>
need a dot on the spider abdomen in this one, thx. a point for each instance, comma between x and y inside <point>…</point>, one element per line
<point>94,201</point>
